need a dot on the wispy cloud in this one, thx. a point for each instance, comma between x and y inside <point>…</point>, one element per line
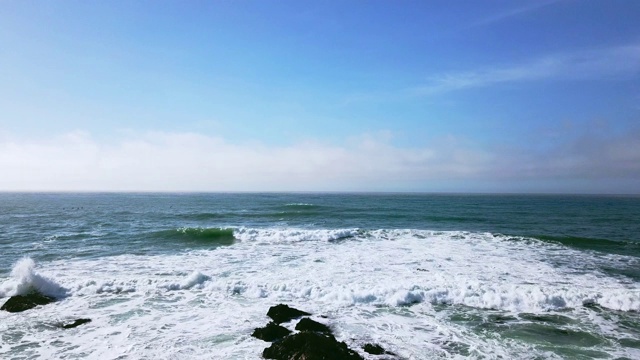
<point>603,63</point>
<point>511,13</point>
<point>193,162</point>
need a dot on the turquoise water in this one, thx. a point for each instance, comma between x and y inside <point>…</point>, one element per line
<point>548,276</point>
<point>122,223</point>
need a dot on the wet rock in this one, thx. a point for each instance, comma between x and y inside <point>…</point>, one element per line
<point>283,313</point>
<point>500,319</point>
<point>20,303</point>
<point>306,324</point>
<point>76,323</point>
<point>375,349</point>
<point>271,332</point>
<point>592,304</point>
<point>308,345</point>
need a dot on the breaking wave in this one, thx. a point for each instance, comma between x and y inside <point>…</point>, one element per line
<point>195,279</point>
<point>294,235</point>
<point>205,236</point>
<point>607,246</point>
<point>25,279</point>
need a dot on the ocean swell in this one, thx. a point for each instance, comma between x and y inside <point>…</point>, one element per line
<point>198,235</point>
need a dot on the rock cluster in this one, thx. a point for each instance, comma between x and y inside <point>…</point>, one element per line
<point>310,345</point>
<point>19,303</point>
<point>313,341</point>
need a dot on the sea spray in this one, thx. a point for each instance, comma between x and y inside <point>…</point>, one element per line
<point>24,279</point>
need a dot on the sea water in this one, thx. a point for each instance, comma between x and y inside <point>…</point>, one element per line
<point>189,276</point>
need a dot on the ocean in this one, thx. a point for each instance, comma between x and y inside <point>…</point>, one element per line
<point>426,276</point>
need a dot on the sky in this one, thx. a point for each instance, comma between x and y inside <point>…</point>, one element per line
<point>519,96</point>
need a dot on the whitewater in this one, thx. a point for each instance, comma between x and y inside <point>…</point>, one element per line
<point>196,289</point>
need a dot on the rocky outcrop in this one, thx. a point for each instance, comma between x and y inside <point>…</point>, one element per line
<point>314,341</point>
<point>271,332</point>
<point>20,303</point>
<point>308,345</point>
<point>283,313</point>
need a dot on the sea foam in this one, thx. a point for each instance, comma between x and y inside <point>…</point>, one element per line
<point>196,279</point>
<point>274,236</point>
<point>24,279</point>
<point>409,290</point>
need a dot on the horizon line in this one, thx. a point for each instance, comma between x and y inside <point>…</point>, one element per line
<point>311,192</point>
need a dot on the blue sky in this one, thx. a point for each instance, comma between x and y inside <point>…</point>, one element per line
<point>456,96</point>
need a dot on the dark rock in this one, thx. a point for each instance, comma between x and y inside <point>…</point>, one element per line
<point>76,323</point>
<point>20,303</point>
<point>306,324</point>
<point>271,332</point>
<point>592,304</point>
<point>283,313</point>
<point>374,349</point>
<point>310,346</point>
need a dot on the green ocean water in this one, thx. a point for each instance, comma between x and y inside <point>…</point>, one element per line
<point>108,224</point>
<point>482,276</point>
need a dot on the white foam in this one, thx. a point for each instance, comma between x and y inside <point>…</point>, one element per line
<point>274,236</point>
<point>394,287</point>
<point>196,279</point>
<point>24,279</point>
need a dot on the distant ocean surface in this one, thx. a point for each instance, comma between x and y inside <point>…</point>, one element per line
<point>189,276</point>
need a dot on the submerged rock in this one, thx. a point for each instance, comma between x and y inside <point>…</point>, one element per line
<point>306,324</point>
<point>283,313</point>
<point>374,349</point>
<point>308,345</point>
<point>20,303</point>
<point>76,323</point>
<point>271,332</point>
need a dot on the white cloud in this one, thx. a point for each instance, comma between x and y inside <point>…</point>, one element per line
<point>187,161</point>
<point>191,162</point>
<point>593,64</point>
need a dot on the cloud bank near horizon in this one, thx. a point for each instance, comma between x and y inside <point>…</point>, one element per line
<point>165,161</point>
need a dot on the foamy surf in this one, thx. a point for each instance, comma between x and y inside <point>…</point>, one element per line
<point>25,279</point>
<point>421,294</point>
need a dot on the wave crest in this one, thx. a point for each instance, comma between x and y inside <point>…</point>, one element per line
<point>294,235</point>
<point>209,236</point>
<point>195,279</point>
